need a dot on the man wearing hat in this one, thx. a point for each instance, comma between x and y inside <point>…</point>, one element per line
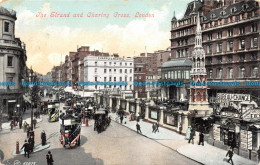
<point>49,158</point>
<point>26,148</point>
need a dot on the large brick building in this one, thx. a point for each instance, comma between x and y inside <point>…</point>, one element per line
<point>230,32</point>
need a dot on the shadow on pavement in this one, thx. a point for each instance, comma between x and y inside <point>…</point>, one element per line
<point>61,156</point>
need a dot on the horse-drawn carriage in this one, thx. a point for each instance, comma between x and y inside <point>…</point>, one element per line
<point>102,121</point>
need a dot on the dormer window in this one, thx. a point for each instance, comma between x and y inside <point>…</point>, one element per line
<point>213,16</point>
<point>233,10</point>
<point>245,6</point>
<point>222,13</point>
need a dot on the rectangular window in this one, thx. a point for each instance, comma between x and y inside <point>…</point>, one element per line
<point>219,35</point>
<point>95,70</point>
<point>219,60</point>
<point>110,63</point>
<point>125,70</point>
<point>130,70</point>
<point>130,78</point>
<point>105,70</point>
<point>114,70</point>
<point>242,57</point>
<point>242,44</point>
<point>254,42</point>
<point>210,48</point>
<point>220,73</point>
<point>125,78</point>
<point>105,63</point>
<point>210,73</point>
<point>110,79</point>
<point>172,75</point>
<point>209,37</point>
<point>229,58</point>
<point>114,78</point>
<point>210,60</point>
<point>169,75</point>
<point>120,63</point>
<point>95,78</point>
<point>219,47</point>
<point>254,56</point>
<point>230,46</point>
<point>187,74</point>
<point>179,74</point>
<point>10,61</point>
<point>120,70</point>
<point>230,32</point>
<point>140,77</point>
<point>105,79</point>
<point>254,27</point>
<point>120,78</point>
<point>110,70</point>
<point>242,72</point>
<point>7,24</point>
<point>230,72</point>
<point>242,30</point>
<point>95,63</point>
<point>254,72</point>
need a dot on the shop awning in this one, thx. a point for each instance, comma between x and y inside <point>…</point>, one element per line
<point>256,125</point>
<point>11,101</point>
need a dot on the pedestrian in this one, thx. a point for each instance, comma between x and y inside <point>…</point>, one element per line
<point>157,127</point>
<point>230,154</point>
<point>180,129</point>
<point>49,158</point>
<point>138,128</point>
<point>31,143</point>
<point>25,126</point>
<point>201,140</point>
<point>28,131</point>
<point>43,137</point>
<point>121,119</point>
<point>34,123</point>
<point>26,148</point>
<point>153,128</point>
<point>12,125</point>
<point>191,137</point>
<point>20,122</point>
<point>258,154</point>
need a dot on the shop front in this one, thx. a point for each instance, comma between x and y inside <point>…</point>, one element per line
<point>170,118</point>
<point>123,104</point>
<point>132,107</point>
<point>114,104</point>
<point>154,113</point>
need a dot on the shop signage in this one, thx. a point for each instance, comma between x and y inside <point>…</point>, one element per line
<point>243,139</point>
<point>154,115</point>
<point>224,97</point>
<point>216,132</point>
<point>230,114</point>
<point>170,120</point>
<point>249,140</point>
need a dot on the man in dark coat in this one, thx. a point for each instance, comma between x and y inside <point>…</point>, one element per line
<point>230,154</point>
<point>258,154</point>
<point>49,158</point>
<point>121,119</point>
<point>12,125</point>
<point>138,128</point>
<point>43,137</point>
<point>28,131</point>
<point>191,137</point>
<point>201,140</point>
<point>26,148</point>
<point>20,122</point>
<point>31,143</point>
<point>34,123</point>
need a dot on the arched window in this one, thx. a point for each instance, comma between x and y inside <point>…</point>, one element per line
<point>242,72</point>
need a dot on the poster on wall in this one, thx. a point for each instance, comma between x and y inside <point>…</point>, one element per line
<point>154,115</point>
<point>243,139</point>
<point>216,132</point>
<point>170,120</point>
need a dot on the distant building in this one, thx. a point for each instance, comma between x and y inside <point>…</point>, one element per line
<point>108,69</point>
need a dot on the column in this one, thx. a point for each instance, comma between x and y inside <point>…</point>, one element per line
<point>117,104</point>
<point>179,121</point>
<point>184,123</point>
<point>146,112</point>
<point>148,95</point>
<point>110,103</point>
<point>161,117</point>
<point>123,95</point>
<point>136,94</point>
<point>137,109</point>
<point>127,106</point>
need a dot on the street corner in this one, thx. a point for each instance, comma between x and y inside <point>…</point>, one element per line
<point>37,148</point>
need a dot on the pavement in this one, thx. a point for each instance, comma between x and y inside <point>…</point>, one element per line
<point>37,148</point>
<point>209,154</point>
<point>26,117</point>
<point>206,154</point>
<point>146,128</point>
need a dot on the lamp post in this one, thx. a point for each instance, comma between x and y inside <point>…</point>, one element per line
<point>33,95</point>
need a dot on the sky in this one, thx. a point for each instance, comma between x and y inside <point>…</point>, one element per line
<point>49,39</point>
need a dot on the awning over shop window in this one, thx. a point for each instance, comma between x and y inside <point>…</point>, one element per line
<point>11,101</point>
